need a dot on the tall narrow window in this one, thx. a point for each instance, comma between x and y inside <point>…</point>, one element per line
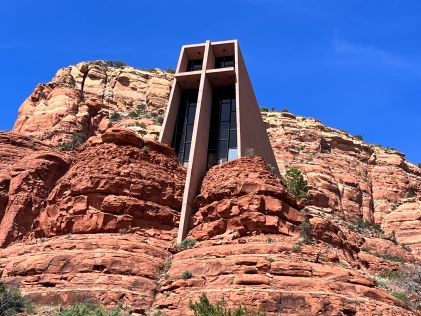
<point>223,127</point>
<point>184,125</point>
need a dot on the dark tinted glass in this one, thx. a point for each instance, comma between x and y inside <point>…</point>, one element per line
<point>189,133</point>
<point>194,64</point>
<point>224,130</point>
<point>225,111</point>
<point>223,150</point>
<point>233,139</point>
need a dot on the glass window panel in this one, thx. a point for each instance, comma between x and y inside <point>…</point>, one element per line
<point>233,139</point>
<point>186,152</point>
<point>189,133</point>
<point>224,130</point>
<point>192,112</point>
<point>223,149</point>
<point>233,122</point>
<point>180,156</point>
<point>233,108</point>
<point>225,111</point>
<point>232,154</point>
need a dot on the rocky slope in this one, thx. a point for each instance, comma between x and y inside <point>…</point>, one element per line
<point>99,223</point>
<point>349,177</point>
<point>250,254</point>
<point>106,227</point>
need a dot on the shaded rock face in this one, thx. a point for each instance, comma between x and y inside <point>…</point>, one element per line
<point>82,98</point>
<point>347,176</point>
<point>248,254</point>
<point>29,171</point>
<point>106,228</point>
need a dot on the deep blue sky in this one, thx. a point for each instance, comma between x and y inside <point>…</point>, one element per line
<point>355,65</point>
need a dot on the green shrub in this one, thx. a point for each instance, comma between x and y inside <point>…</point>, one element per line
<point>365,226</point>
<point>270,259</point>
<point>296,248</point>
<point>187,275</point>
<point>359,137</point>
<point>419,165</point>
<point>411,192</point>
<point>285,110</point>
<point>186,244</point>
<point>115,117</point>
<point>146,149</point>
<point>401,296</point>
<point>116,63</point>
<point>170,70</point>
<point>88,309</point>
<point>295,182</point>
<point>12,302</point>
<point>142,125</point>
<point>389,257</point>
<point>77,139</point>
<point>205,308</point>
<point>249,152</point>
<point>390,275</point>
<point>305,231</point>
<point>264,109</point>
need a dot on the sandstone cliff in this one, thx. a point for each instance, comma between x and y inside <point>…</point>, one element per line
<point>98,222</point>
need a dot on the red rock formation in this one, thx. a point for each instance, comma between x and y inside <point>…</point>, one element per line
<point>107,226</point>
<point>347,176</point>
<point>243,196</point>
<point>29,171</point>
<point>83,98</point>
<point>248,254</point>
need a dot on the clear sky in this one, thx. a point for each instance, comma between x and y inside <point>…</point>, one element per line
<point>355,64</point>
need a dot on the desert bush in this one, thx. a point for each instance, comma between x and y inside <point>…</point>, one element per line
<point>419,165</point>
<point>359,137</point>
<point>88,309</point>
<point>205,308</point>
<point>187,275</point>
<point>186,244</point>
<point>305,231</point>
<point>365,226</point>
<point>285,110</point>
<point>401,296</point>
<point>77,139</point>
<point>295,182</point>
<point>12,302</point>
<point>146,149</point>
<point>264,109</point>
<point>411,192</point>
<point>170,70</point>
<point>115,117</point>
<point>249,152</point>
<point>296,248</point>
<point>116,63</point>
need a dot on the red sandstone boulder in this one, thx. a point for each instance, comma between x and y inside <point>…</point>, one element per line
<point>29,171</point>
<point>243,197</point>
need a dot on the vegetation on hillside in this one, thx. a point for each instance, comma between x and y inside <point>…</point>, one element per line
<point>296,183</point>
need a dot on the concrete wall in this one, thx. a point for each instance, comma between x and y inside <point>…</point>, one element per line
<point>251,131</point>
<point>251,128</point>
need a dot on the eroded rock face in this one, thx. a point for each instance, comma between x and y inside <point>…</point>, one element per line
<point>107,226</point>
<point>347,176</point>
<point>244,196</point>
<point>29,171</point>
<point>92,96</point>
<point>249,254</point>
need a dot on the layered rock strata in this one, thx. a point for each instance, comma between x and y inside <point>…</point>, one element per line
<point>249,254</point>
<point>107,227</point>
